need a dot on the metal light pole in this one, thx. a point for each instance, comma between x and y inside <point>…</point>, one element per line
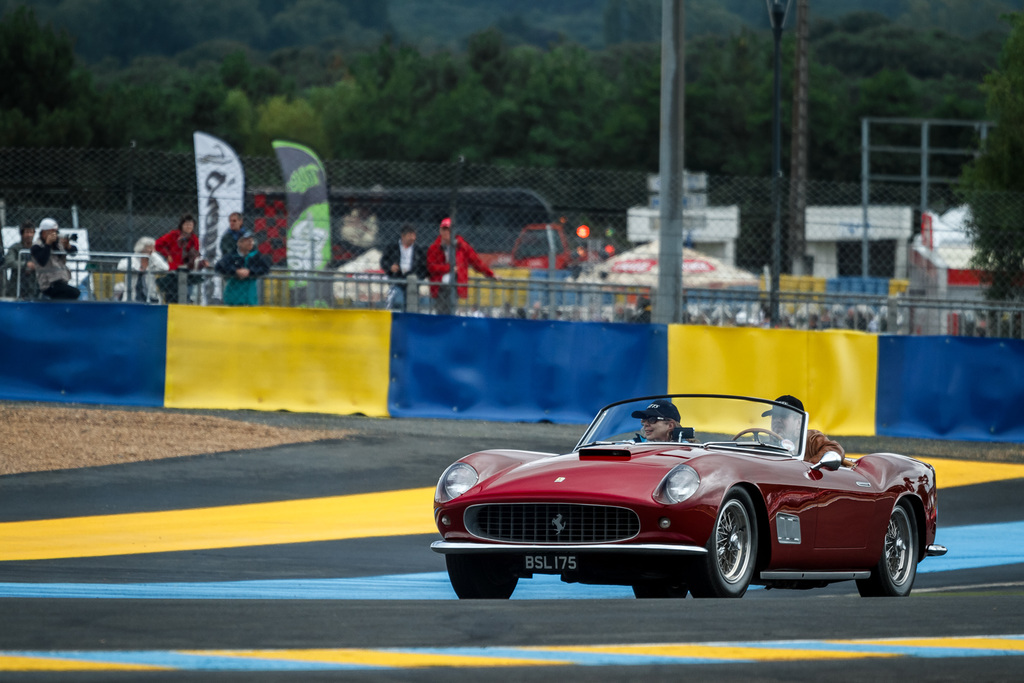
<point>668,296</point>
<point>777,10</point>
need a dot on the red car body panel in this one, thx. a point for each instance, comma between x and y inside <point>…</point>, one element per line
<point>842,523</point>
<point>814,524</point>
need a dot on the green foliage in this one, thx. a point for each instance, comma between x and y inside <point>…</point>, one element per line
<point>500,99</point>
<point>994,184</point>
<point>296,121</point>
<point>44,99</point>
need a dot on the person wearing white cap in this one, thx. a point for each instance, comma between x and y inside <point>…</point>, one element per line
<point>50,252</point>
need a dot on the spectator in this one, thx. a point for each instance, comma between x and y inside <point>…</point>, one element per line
<point>229,240</point>
<point>359,229</point>
<point>400,260</point>
<point>9,279</point>
<point>240,270</point>
<point>50,253</point>
<point>440,269</point>
<point>643,311</point>
<point>140,283</point>
<point>181,249</point>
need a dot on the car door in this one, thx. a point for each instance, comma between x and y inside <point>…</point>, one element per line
<point>819,519</point>
<point>849,507</point>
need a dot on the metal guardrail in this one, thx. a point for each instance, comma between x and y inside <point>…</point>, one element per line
<point>569,300</point>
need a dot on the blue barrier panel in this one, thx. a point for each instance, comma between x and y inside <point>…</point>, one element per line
<point>83,352</point>
<point>950,387</point>
<point>854,284</point>
<point>520,370</point>
<point>545,297</point>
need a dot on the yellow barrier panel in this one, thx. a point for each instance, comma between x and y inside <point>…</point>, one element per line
<point>276,292</point>
<point>834,373</point>
<point>843,375</point>
<point>304,360</point>
<point>103,284</point>
<point>512,295</point>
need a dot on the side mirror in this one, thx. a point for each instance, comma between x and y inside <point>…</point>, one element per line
<point>682,434</point>
<point>829,461</point>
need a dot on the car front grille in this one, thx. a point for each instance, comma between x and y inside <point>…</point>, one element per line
<point>552,523</point>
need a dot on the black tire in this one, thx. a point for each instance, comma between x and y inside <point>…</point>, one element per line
<point>477,577</point>
<point>665,588</point>
<point>728,567</point>
<point>894,575</point>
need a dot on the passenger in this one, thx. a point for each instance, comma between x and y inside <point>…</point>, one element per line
<point>786,424</point>
<point>659,421</point>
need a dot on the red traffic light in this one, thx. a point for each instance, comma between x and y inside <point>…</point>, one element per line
<point>583,232</point>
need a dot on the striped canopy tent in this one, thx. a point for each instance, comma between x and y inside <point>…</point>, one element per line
<point>639,267</point>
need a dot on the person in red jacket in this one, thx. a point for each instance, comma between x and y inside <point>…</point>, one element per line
<point>440,269</point>
<point>180,248</point>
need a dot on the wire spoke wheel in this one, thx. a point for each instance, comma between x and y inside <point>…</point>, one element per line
<point>728,567</point>
<point>896,570</point>
<point>897,554</point>
<point>732,542</point>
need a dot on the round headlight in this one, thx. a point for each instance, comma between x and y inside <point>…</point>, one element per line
<point>678,485</point>
<point>455,481</point>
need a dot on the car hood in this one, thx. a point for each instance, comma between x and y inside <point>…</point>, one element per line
<point>597,473</point>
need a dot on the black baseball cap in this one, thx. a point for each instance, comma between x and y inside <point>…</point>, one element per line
<point>661,407</point>
<point>791,401</point>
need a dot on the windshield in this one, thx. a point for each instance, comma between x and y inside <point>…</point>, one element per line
<point>727,420</point>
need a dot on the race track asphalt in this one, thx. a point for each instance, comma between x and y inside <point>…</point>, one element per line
<point>324,609</point>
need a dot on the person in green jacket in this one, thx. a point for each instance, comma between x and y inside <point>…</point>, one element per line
<point>240,271</point>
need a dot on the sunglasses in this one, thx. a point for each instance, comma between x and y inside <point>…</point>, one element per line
<point>651,420</point>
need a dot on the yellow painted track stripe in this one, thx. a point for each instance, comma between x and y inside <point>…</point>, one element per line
<point>713,652</point>
<point>16,663</point>
<point>650,654</point>
<point>964,643</point>
<point>381,658</point>
<point>368,515</point>
<point>394,513</point>
<point>952,473</point>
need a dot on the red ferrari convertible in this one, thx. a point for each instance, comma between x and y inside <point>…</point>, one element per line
<point>687,493</point>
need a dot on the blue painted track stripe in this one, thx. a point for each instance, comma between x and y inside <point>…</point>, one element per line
<point>970,547</point>
<point>425,586</point>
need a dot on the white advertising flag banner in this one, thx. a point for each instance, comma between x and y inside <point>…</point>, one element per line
<point>221,184</point>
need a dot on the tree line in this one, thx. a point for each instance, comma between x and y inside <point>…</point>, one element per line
<point>497,101</point>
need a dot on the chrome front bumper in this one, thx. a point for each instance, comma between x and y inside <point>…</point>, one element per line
<point>449,548</point>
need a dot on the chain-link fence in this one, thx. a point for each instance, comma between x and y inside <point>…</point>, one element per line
<point>854,257</point>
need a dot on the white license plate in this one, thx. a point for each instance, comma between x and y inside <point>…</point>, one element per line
<point>553,564</point>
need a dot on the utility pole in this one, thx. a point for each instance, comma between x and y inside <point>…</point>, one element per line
<point>798,149</point>
<point>669,295</point>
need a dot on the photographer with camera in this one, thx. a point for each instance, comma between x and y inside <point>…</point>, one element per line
<point>50,253</point>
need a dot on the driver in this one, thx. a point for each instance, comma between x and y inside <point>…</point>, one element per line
<point>659,421</point>
<point>786,424</point>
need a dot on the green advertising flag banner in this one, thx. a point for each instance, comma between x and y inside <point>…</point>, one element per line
<point>309,229</point>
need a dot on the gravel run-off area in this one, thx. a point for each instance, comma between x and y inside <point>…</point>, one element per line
<point>49,436</point>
